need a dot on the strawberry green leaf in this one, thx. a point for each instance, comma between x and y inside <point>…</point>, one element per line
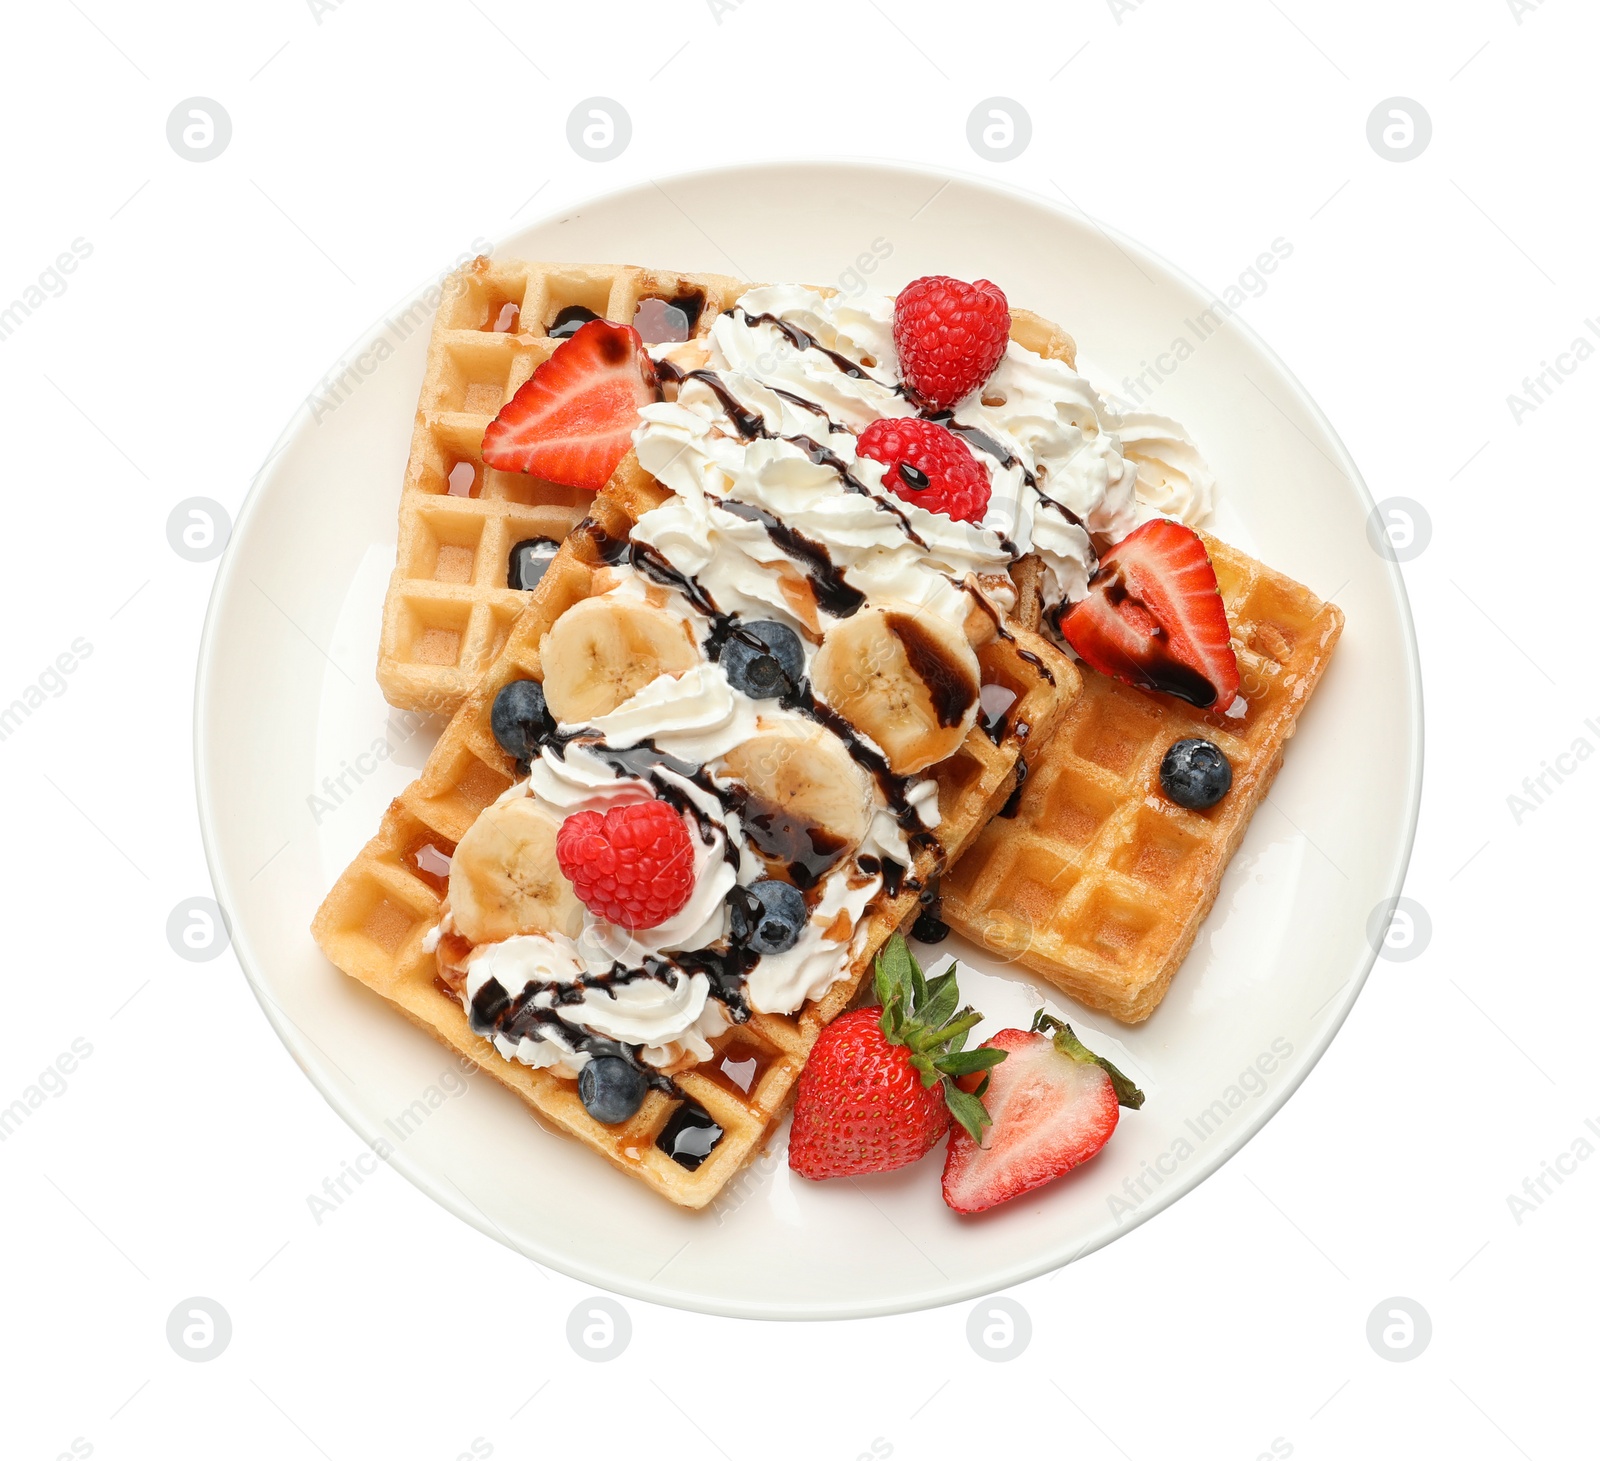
<point>964,1062</point>
<point>921,1015</point>
<point>1070,1045</point>
<point>941,1000</point>
<point>892,971</point>
<point>917,984</point>
<point>967,1110</point>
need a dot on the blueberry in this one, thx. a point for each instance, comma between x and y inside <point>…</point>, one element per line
<point>519,719</point>
<point>768,916</point>
<point>763,658</point>
<point>1195,774</point>
<point>610,1088</point>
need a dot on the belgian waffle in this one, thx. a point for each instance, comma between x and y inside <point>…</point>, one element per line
<point>450,605</point>
<point>373,922</point>
<point>1096,880</point>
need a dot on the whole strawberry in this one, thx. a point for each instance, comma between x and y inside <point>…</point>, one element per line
<point>929,466</point>
<point>879,1089</point>
<point>950,335</point>
<point>634,865</point>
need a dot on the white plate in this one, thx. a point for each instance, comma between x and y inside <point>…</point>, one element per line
<point>286,698</point>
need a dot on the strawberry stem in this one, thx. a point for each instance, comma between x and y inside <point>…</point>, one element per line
<point>1070,1045</point>
<point>921,1014</point>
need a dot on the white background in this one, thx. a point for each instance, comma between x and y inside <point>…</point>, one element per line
<point>370,145</point>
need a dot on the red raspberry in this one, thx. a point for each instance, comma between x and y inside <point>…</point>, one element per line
<point>633,866</point>
<point>950,336</point>
<point>929,466</point>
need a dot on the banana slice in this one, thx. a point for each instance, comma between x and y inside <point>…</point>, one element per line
<point>903,676</point>
<point>604,650</point>
<point>809,803</point>
<point>504,878</point>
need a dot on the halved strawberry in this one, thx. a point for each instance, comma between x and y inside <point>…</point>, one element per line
<point>1053,1105</point>
<point>1154,618</point>
<point>573,420</point>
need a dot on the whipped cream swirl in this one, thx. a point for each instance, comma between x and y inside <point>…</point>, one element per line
<point>774,514</point>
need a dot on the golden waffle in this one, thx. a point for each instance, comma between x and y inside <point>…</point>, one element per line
<point>450,606</point>
<point>1098,882</point>
<point>372,923</point>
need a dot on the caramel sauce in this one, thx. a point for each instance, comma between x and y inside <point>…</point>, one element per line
<point>840,929</point>
<point>451,957</point>
<point>802,601</point>
<point>739,1065</point>
<point>429,860</point>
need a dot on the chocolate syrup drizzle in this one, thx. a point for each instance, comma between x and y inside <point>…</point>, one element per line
<point>726,969</point>
<point>1026,655</point>
<point>494,1010</point>
<point>691,1133</point>
<point>805,340</point>
<point>646,560</point>
<point>834,595</point>
<point>752,426</point>
<point>930,928</point>
<point>975,436</point>
<point>1159,669</point>
<point>1014,801</point>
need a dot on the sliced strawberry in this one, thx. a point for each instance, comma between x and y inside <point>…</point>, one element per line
<point>573,420</point>
<point>1053,1105</point>
<point>1154,618</point>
